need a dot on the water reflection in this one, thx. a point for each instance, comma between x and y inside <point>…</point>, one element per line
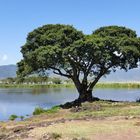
<point>119,94</point>
<point>46,90</point>
<point>22,101</point>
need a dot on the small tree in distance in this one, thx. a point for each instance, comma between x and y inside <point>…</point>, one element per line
<point>72,54</point>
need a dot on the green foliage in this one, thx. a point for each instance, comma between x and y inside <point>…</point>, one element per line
<point>8,80</point>
<point>44,47</point>
<point>98,85</point>
<point>21,117</point>
<point>118,85</point>
<point>54,109</point>
<point>36,85</point>
<point>56,80</point>
<point>115,31</point>
<point>13,117</point>
<point>39,110</point>
<point>35,79</point>
<point>70,53</point>
<point>107,109</point>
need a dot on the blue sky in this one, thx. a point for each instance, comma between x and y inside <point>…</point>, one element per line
<point>19,17</point>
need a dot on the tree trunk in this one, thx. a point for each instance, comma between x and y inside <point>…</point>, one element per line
<point>85,95</point>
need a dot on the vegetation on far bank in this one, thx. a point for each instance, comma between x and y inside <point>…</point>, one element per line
<point>70,85</point>
<point>118,85</point>
<point>36,85</point>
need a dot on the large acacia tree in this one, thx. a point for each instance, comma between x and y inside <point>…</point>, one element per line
<point>72,54</point>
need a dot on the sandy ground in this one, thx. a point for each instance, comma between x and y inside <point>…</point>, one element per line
<point>113,128</point>
<point>67,125</point>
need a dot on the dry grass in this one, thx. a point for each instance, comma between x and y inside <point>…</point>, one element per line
<point>95,121</point>
<point>90,129</point>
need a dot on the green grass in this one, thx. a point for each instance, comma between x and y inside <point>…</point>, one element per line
<point>13,117</point>
<point>81,127</point>
<point>118,85</point>
<point>99,85</point>
<point>108,109</point>
<point>36,86</point>
<point>39,110</point>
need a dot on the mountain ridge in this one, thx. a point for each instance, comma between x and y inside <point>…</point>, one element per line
<point>8,71</point>
<point>119,76</point>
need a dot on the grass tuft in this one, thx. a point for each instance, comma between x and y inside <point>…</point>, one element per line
<point>39,110</point>
<point>13,117</point>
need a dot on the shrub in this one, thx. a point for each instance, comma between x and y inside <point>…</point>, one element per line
<point>21,117</point>
<point>56,80</point>
<point>53,109</point>
<point>38,111</point>
<point>13,117</point>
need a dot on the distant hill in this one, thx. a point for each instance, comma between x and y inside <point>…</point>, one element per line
<point>122,76</point>
<point>119,76</point>
<point>8,71</point>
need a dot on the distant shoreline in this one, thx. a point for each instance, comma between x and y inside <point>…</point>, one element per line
<point>99,85</point>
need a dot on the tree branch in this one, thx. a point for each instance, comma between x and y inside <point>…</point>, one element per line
<point>102,72</point>
<point>59,72</point>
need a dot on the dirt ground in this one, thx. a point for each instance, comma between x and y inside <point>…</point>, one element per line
<point>116,128</point>
<point>91,122</point>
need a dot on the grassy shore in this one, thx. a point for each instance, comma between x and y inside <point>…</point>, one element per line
<point>99,85</point>
<point>119,85</point>
<point>91,121</point>
<point>35,85</point>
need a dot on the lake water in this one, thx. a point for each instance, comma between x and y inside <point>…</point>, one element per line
<point>23,101</point>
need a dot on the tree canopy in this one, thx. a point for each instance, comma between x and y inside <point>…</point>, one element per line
<point>71,53</point>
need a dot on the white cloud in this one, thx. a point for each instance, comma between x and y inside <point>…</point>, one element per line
<point>4,57</point>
